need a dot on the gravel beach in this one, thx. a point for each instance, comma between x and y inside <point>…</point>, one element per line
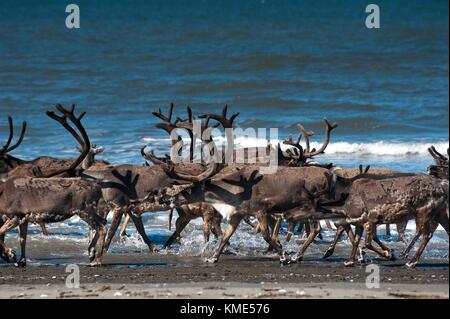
<point>234,277</point>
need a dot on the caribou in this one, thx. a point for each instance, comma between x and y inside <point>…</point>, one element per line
<point>374,199</point>
<point>225,185</point>
<point>50,199</point>
<point>343,224</point>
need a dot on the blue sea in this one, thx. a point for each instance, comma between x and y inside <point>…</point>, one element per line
<point>278,63</point>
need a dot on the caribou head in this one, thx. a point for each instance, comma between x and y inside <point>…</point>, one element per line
<point>440,170</point>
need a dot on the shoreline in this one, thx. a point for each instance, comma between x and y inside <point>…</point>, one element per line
<point>233,277</point>
<point>231,290</point>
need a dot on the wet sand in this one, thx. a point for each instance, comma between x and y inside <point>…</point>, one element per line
<point>144,276</point>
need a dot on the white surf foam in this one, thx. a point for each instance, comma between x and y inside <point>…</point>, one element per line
<point>382,147</point>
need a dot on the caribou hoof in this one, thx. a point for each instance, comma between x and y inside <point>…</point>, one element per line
<point>95,263</point>
<point>92,255</point>
<point>11,255</point>
<point>212,260</point>
<point>349,263</point>
<point>328,253</point>
<point>284,260</point>
<point>362,257</point>
<point>411,264</point>
<point>296,259</point>
<point>21,263</point>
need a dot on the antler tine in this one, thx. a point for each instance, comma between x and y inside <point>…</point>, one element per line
<point>152,157</point>
<point>210,172</point>
<point>21,136</point>
<point>189,112</point>
<point>328,128</point>
<point>299,138</point>
<point>7,148</point>
<point>307,135</point>
<point>160,115</point>
<point>222,118</point>
<point>439,154</point>
<point>289,141</point>
<point>168,125</point>
<point>63,121</point>
<point>10,137</point>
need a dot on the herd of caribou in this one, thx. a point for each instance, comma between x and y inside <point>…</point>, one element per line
<point>301,191</point>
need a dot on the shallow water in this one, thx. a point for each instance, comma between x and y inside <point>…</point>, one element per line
<point>67,243</point>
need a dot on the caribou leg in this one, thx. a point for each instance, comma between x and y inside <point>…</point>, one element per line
<point>290,230</point>
<point>23,231</point>
<point>426,236</point>
<point>123,229</point>
<point>117,217</point>
<point>264,225</point>
<point>275,232</point>
<point>427,220</point>
<point>444,221</point>
<point>206,228</point>
<point>209,219</point>
<point>2,239</point>
<point>180,224</point>
<point>137,220</point>
<point>371,233</point>
<point>7,226</point>
<point>388,230</point>
<point>384,247</point>
<point>401,230</point>
<point>44,229</point>
<point>216,228</point>
<point>96,222</point>
<point>411,244</point>
<point>314,231</point>
<point>355,246</point>
<point>337,236</point>
<point>340,229</point>
<point>232,226</point>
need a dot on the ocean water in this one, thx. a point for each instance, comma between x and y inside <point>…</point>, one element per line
<point>278,63</point>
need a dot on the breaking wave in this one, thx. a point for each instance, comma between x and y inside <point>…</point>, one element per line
<point>391,148</point>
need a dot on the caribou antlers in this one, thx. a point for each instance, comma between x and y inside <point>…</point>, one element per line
<point>440,170</point>
<point>7,147</point>
<point>212,170</point>
<point>222,118</point>
<point>305,153</point>
<point>167,124</point>
<point>83,140</point>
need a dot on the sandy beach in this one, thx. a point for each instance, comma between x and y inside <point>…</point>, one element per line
<point>233,277</point>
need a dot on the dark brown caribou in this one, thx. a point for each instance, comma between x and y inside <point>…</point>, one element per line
<point>237,191</point>
<point>440,170</point>
<point>123,185</point>
<point>11,166</point>
<point>51,199</point>
<point>375,199</point>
